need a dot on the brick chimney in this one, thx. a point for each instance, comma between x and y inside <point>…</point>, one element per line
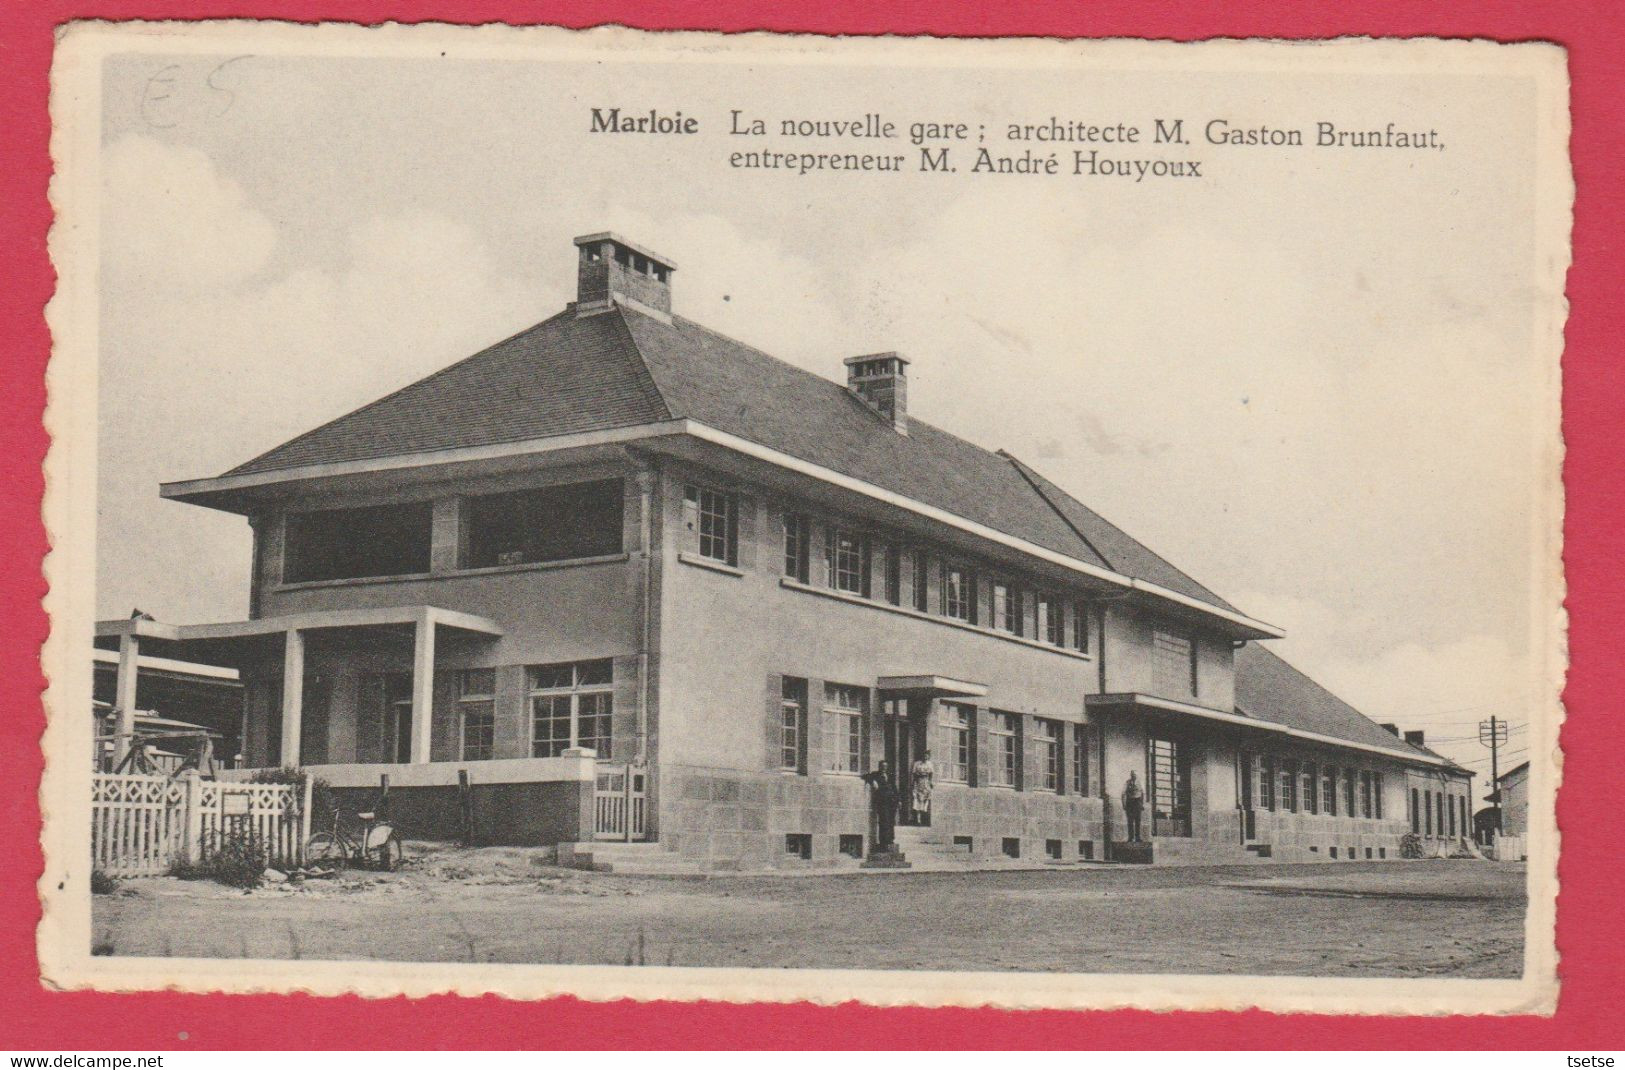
<point>612,271</point>
<point>1389,727</point>
<point>1415,738</point>
<point>880,381</point>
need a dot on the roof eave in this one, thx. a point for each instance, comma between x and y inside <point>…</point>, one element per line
<point>233,493</point>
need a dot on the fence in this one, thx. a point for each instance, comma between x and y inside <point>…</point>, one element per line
<point>619,803</point>
<point>142,825</point>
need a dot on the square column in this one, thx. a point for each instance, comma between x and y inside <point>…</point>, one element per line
<point>293,695</point>
<point>129,650</point>
<point>422,688</point>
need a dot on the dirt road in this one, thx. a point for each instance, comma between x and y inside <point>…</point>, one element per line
<point>1418,919</point>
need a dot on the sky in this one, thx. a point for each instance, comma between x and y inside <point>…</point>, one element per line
<point>1305,379</point>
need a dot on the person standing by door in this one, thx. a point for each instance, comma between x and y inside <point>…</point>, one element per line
<point>922,777</point>
<point>883,799</point>
<point>1133,806</point>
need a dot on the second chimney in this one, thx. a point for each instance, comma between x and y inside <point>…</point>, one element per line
<point>880,381</point>
<point>1415,737</point>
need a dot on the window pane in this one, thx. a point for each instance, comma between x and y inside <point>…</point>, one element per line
<point>594,717</point>
<point>550,725</point>
<point>545,524</point>
<point>589,673</point>
<point>551,676</point>
<point>479,724</point>
<point>379,540</point>
<point>476,683</point>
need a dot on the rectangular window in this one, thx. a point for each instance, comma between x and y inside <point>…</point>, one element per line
<point>894,574</point>
<point>957,722</point>
<point>1376,795</point>
<point>1006,733</point>
<point>1289,785</point>
<point>1365,794</point>
<point>848,561</point>
<point>1175,663</point>
<point>844,709</point>
<point>571,705</point>
<point>545,524</point>
<point>1328,789</point>
<point>1427,812</point>
<point>958,593</point>
<point>797,547</point>
<point>1051,618</point>
<point>1049,753</point>
<point>1309,795</point>
<point>920,580</point>
<point>793,725</point>
<point>1080,759</point>
<point>714,517</point>
<point>1080,627</point>
<point>1266,781</point>
<point>1007,608</point>
<point>476,709</point>
<point>345,544</point>
<point>1348,793</point>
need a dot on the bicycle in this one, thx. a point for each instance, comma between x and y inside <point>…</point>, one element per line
<point>378,846</point>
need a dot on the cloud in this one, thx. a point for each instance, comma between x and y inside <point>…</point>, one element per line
<point>173,224</point>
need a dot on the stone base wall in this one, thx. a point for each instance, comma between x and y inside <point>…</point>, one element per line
<point>727,818</point>
<point>510,815</point>
<point>1314,837</point>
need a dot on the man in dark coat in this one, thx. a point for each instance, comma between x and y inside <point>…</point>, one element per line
<point>883,798</point>
<point>1133,806</point>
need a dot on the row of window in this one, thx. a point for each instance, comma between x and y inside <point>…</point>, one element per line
<point>859,563</point>
<point>1291,785</point>
<point>1433,813</point>
<point>845,710</point>
<point>571,705</point>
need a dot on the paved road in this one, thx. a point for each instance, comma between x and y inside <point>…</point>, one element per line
<point>1395,919</point>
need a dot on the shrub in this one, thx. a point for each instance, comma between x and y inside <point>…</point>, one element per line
<point>233,858</point>
<point>101,883</point>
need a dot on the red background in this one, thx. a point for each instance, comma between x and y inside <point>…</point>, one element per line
<point>1590,933</point>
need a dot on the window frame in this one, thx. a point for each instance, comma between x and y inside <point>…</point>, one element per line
<point>958,721</point>
<point>576,695</point>
<point>1004,730</point>
<point>850,723</point>
<point>1081,746</point>
<point>467,700</point>
<point>798,547</point>
<point>920,567</point>
<point>707,517</point>
<point>839,562</point>
<point>960,607</point>
<point>793,725</point>
<point>1080,625</point>
<point>1049,734</point>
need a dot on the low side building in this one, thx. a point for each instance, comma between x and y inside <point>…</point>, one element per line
<point>633,579</point>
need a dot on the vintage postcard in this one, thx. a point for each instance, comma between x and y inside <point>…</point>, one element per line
<point>1015,522</point>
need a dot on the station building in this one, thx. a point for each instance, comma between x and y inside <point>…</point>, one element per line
<point>620,577</point>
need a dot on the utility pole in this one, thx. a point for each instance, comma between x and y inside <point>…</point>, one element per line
<point>1492,733</point>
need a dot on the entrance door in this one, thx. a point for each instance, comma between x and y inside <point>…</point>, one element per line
<point>905,744</point>
<point>398,717</point>
<point>1170,787</point>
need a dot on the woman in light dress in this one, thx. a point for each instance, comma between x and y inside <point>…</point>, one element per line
<point>923,776</point>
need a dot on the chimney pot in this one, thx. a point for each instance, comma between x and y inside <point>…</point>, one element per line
<point>880,380</point>
<point>612,271</point>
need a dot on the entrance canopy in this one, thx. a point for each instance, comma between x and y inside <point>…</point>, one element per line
<point>929,686</point>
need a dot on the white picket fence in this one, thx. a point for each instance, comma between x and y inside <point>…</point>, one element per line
<point>141,825</point>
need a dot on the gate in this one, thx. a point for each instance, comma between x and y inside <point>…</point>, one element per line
<point>142,825</point>
<point>619,804</point>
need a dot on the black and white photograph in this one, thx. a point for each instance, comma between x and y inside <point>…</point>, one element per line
<point>1019,522</point>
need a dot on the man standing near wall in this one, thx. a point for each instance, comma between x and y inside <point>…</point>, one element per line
<point>1133,806</point>
<point>883,798</point>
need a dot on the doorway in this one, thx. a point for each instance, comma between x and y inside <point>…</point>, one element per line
<point>905,720</point>
<point>1170,787</point>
